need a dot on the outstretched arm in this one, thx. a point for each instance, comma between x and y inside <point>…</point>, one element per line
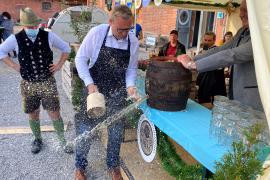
<point>238,55</point>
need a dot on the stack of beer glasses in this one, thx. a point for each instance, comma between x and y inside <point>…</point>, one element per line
<point>230,118</point>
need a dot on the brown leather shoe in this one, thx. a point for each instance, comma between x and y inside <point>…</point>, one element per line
<point>116,174</point>
<point>80,175</point>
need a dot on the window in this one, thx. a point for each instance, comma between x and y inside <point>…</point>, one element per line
<point>46,6</point>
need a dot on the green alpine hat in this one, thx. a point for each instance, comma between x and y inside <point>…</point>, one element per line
<point>28,17</point>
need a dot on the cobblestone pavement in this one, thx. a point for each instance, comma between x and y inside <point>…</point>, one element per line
<point>17,162</point>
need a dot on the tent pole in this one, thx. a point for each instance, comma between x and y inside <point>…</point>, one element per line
<point>199,33</point>
<point>135,16</point>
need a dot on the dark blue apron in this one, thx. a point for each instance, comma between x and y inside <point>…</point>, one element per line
<point>109,71</point>
<point>109,74</point>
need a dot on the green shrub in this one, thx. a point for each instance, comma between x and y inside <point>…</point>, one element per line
<point>241,163</point>
<point>77,92</point>
<point>71,56</point>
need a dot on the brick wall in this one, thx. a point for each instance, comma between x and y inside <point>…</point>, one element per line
<point>153,19</point>
<point>14,6</point>
<point>99,3</point>
<point>157,20</point>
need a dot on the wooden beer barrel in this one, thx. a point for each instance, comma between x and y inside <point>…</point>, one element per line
<point>168,85</point>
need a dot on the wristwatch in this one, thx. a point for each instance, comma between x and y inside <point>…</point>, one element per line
<point>189,65</point>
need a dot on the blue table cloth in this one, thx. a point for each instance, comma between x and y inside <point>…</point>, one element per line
<point>188,128</point>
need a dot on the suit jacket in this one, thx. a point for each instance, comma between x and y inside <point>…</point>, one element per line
<point>239,54</point>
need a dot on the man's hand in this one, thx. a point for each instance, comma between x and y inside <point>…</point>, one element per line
<point>54,67</point>
<point>92,88</point>
<point>186,61</point>
<point>133,94</point>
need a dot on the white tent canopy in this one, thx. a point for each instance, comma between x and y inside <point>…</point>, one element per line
<point>212,1</point>
<point>259,22</point>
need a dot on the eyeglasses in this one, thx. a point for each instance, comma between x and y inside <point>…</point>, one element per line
<point>119,30</point>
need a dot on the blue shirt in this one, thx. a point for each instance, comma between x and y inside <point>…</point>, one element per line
<point>138,30</point>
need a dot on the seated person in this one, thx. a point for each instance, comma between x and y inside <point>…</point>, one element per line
<point>173,48</point>
<point>210,83</point>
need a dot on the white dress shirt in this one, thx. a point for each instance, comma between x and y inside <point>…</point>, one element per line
<point>90,48</point>
<point>11,43</point>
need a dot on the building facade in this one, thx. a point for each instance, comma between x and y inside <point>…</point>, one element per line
<point>43,8</point>
<point>160,20</point>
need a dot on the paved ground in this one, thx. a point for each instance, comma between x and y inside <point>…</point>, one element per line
<point>16,160</point>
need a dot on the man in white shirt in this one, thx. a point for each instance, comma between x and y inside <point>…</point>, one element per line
<point>113,55</point>
<point>38,85</point>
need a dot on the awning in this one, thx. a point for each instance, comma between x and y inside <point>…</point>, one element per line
<point>209,5</point>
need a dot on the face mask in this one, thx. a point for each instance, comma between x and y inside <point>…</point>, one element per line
<point>32,33</point>
<point>5,18</point>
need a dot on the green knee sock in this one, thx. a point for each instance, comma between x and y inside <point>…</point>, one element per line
<point>59,128</point>
<point>35,127</point>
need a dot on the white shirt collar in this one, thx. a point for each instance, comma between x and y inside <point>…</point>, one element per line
<point>110,34</point>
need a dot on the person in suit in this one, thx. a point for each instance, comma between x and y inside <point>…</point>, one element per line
<point>238,54</point>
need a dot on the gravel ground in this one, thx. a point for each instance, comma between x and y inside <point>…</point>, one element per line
<point>16,160</point>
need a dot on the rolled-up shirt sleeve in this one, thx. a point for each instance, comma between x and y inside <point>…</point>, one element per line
<point>7,46</point>
<point>131,72</point>
<point>57,42</point>
<point>84,54</point>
